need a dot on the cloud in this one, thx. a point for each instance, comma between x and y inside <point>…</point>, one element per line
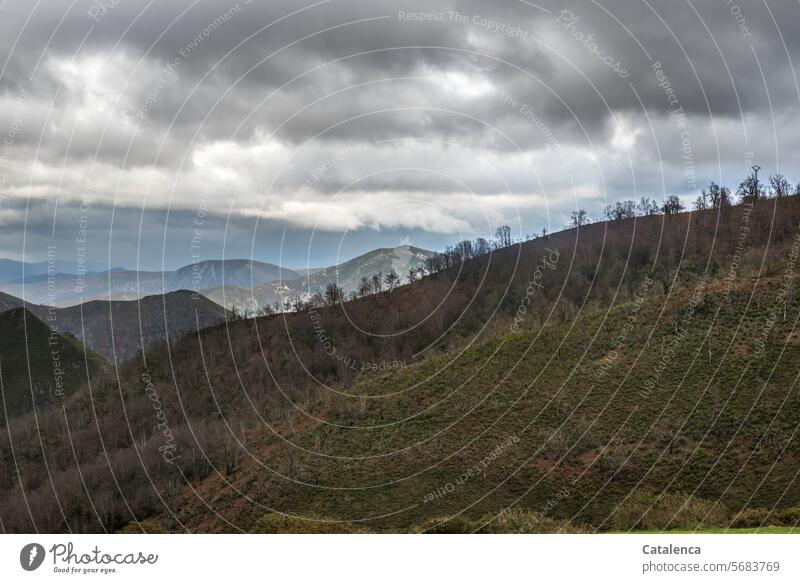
<point>318,115</point>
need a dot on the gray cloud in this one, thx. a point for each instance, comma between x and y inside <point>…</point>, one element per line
<point>242,106</point>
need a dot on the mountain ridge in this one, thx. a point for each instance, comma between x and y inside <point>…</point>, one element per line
<point>347,275</point>
<point>70,289</point>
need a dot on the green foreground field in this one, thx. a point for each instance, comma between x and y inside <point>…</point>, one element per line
<point>719,530</point>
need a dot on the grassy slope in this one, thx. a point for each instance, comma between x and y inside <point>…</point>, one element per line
<point>714,425</point>
<point>369,448</point>
<point>29,363</point>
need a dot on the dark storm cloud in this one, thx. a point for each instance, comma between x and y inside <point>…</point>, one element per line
<point>696,60</point>
<point>241,104</point>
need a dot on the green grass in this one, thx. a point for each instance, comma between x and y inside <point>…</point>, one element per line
<point>446,414</point>
<point>720,530</point>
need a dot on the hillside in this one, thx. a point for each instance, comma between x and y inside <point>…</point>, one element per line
<point>118,330</point>
<point>625,375</point>
<point>569,408</point>
<point>8,302</point>
<point>37,366</point>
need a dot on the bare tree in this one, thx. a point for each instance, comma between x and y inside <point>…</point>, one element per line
<point>779,185</point>
<point>333,294</point>
<point>377,282</point>
<point>503,236</point>
<point>482,246</point>
<point>391,279</point>
<point>625,209</point>
<point>465,250</point>
<point>266,310</point>
<point>433,264</point>
<point>317,300</point>
<point>672,205</point>
<point>299,304</point>
<point>364,287</point>
<point>749,189</point>
<point>701,202</point>
<point>718,196</point>
<point>647,207</point>
<point>578,218</point>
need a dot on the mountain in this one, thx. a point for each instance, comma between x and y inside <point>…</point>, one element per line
<point>136,324</point>
<point>67,289</point>
<point>14,271</point>
<point>118,330</point>
<point>346,275</point>
<point>632,374</point>
<point>8,302</point>
<point>38,365</point>
<point>235,272</point>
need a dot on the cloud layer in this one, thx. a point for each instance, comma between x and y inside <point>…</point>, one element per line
<point>445,118</point>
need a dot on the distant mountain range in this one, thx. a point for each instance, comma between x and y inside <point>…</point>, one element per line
<point>14,271</point>
<point>135,315</point>
<point>118,330</point>
<point>234,283</point>
<point>346,275</point>
<point>68,289</point>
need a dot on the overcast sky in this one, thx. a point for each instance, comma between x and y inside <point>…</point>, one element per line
<point>297,132</point>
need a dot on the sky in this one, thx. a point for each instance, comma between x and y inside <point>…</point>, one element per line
<point>150,134</point>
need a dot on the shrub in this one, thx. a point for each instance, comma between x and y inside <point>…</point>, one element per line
<point>648,511</point>
<point>787,517</point>
<point>443,525</point>
<point>750,518</point>
<point>274,523</point>
<point>514,521</point>
<point>518,521</point>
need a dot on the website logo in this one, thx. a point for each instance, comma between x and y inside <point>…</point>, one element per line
<point>31,556</point>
